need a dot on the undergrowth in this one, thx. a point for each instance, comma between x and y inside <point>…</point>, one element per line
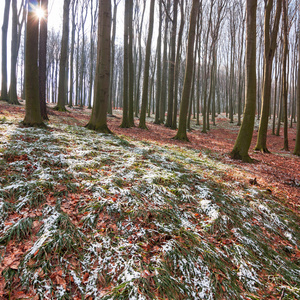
<point>107,217</point>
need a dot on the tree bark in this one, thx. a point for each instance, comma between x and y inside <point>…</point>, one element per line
<point>43,59</point>
<point>297,145</point>
<point>63,59</point>
<point>243,141</point>
<point>130,66</point>
<point>158,72</point>
<point>32,109</point>
<point>172,66</point>
<point>13,97</point>
<point>112,63</point>
<point>142,123</point>
<point>284,74</point>
<point>98,120</point>
<point>4,95</point>
<point>269,51</point>
<point>125,120</point>
<point>181,133</point>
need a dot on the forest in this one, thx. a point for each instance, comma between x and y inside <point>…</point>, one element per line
<point>150,149</point>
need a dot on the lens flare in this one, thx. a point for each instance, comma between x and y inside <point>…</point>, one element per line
<point>40,13</point>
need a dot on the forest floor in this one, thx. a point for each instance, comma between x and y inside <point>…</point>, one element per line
<point>137,215</point>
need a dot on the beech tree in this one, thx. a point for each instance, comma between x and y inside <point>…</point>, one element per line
<point>181,133</point>
<point>243,141</point>
<point>297,145</point>
<point>269,51</point>
<point>17,25</point>
<point>125,120</point>
<point>32,108</point>
<point>43,58</point>
<point>4,95</point>
<point>142,123</point>
<point>63,59</point>
<point>172,66</point>
<point>98,120</point>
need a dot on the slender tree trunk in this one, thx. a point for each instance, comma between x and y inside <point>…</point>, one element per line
<point>32,108</point>
<point>297,145</point>
<point>130,66</point>
<point>172,66</point>
<point>269,51</point>
<point>243,141</point>
<point>142,123</point>
<point>275,100</point>
<point>63,59</point>
<point>43,59</point>
<point>125,121</point>
<point>181,134</point>
<point>74,8</point>
<point>98,120</point>
<point>158,72</point>
<point>112,63</point>
<point>163,95</point>
<point>284,73</point>
<point>177,66</point>
<point>13,97</point>
<point>4,95</point>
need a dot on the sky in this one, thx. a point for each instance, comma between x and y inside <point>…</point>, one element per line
<point>55,21</point>
<point>55,8</point>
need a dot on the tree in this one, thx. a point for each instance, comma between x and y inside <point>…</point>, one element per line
<point>98,120</point>
<point>125,120</point>
<point>74,8</point>
<point>32,109</point>
<point>177,65</point>
<point>130,65</point>
<point>112,63</point>
<point>243,141</point>
<point>63,59</point>
<point>4,95</point>
<point>158,70</point>
<point>297,145</point>
<point>269,51</point>
<point>181,134</point>
<point>284,73</point>
<point>146,69</point>
<point>15,43</point>
<point>43,59</point>
<point>172,66</point>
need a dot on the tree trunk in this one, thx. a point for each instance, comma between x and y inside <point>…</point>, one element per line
<point>32,109</point>
<point>130,66</point>
<point>177,66</point>
<point>98,120</point>
<point>163,96</point>
<point>112,63</point>
<point>158,72</point>
<point>125,121</point>
<point>172,66</point>
<point>269,51</point>
<point>63,59</point>
<point>284,74</point>
<point>297,145</point>
<point>181,134</point>
<point>4,95</point>
<point>13,97</point>
<point>243,141</point>
<point>43,59</point>
<point>74,8</point>
<point>146,69</point>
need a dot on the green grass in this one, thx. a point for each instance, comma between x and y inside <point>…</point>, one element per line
<point>123,219</point>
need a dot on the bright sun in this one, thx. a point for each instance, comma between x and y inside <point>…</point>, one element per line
<point>40,13</point>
